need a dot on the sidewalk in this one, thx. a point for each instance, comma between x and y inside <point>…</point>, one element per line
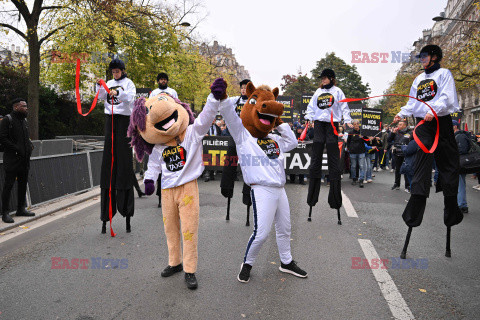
<point>51,207</point>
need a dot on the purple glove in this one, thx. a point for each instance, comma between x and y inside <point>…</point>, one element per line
<point>219,89</point>
<point>149,187</point>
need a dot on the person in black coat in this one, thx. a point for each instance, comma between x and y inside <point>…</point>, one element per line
<point>14,137</point>
<point>400,136</point>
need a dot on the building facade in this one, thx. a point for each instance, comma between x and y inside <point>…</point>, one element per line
<point>449,34</point>
<point>224,59</point>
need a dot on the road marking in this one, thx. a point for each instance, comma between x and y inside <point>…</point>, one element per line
<point>394,299</point>
<point>347,204</point>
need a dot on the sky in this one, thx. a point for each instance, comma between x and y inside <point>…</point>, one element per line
<point>274,38</point>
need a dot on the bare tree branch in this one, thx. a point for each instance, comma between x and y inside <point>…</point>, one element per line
<point>20,33</point>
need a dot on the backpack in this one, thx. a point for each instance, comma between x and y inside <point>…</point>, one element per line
<point>10,126</point>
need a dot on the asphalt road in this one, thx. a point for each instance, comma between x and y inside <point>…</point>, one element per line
<point>443,288</point>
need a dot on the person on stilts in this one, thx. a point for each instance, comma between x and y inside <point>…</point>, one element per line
<point>326,111</point>
<point>118,108</point>
<point>436,87</point>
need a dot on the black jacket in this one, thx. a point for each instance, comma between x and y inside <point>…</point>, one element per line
<point>355,143</point>
<point>16,141</point>
<point>463,142</point>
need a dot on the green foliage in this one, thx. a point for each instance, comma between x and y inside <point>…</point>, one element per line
<point>57,113</point>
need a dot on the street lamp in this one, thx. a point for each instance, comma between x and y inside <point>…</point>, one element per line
<point>439,18</point>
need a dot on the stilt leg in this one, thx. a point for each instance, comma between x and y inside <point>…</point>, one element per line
<point>339,219</point>
<point>104,227</point>
<point>310,214</point>
<point>405,246</point>
<point>129,228</point>
<point>228,209</point>
<point>448,253</point>
<point>248,217</point>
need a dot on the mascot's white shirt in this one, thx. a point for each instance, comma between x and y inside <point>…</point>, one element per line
<point>262,160</point>
<point>171,92</point>
<point>183,163</point>
<point>123,103</point>
<point>326,100</point>
<point>437,89</point>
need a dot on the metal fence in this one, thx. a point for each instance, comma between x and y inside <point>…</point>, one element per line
<point>52,177</point>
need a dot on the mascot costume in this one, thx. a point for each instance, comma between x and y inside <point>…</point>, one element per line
<point>165,128</point>
<point>261,157</point>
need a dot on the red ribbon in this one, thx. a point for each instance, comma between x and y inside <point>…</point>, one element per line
<point>420,144</point>
<point>77,89</point>
<point>79,109</point>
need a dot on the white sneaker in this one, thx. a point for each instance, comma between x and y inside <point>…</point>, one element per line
<point>477,187</point>
<point>379,170</point>
<point>374,169</point>
<point>369,181</point>
<point>391,170</point>
<point>386,168</point>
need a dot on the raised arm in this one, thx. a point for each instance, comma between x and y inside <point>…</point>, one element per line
<point>205,118</point>
<point>232,120</point>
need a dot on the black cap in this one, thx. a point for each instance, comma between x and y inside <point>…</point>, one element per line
<point>329,73</point>
<point>432,50</point>
<point>244,82</point>
<point>117,64</point>
<point>162,75</point>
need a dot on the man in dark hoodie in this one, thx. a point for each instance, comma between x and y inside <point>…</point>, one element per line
<point>400,136</point>
<point>15,139</point>
<point>356,148</point>
<point>463,143</point>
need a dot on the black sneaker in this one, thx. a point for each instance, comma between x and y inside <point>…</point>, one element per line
<point>191,281</point>
<point>169,271</point>
<point>244,275</point>
<point>354,182</point>
<point>395,187</point>
<point>464,209</point>
<point>292,268</point>
<point>360,183</point>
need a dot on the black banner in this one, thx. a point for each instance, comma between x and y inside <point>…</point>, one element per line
<point>371,122</point>
<point>287,102</point>
<point>297,161</point>
<point>142,92</point>
<point>356,110</point>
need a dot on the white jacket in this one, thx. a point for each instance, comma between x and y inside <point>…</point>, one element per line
<point>262,160</point>
<point>437,89</point>
<point>123,103</point>
<point>326,100</point>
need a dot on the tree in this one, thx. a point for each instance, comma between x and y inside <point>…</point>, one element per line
<point>296,86</point>
<point>348,78</point>
<point>36,34</point>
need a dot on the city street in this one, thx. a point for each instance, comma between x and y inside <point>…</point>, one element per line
<point>339,285</point>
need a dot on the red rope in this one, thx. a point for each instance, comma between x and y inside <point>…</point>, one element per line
<point>420,144</point>
<point>79,109</point>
